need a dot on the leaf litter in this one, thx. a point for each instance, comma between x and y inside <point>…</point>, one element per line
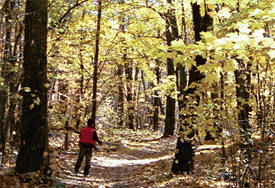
<point>126,159</point>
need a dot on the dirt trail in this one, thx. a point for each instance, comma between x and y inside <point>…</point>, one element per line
<point>128,164</point>
<point>135,159</point>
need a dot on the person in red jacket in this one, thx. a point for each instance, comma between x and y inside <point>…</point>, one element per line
<point>87,141</point>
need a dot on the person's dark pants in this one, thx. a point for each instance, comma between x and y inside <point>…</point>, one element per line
<point>85,150</point>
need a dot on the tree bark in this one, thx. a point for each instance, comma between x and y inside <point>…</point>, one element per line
<point>171,34</point>
<point>120,76</point>
<point>120,96</point>
<point>182,73</point>
<point>33,153</point>
<point>5,74</point>
<point>243,82</point>
<point>129,97</point>
<point>95,75</point>
<point>156,99</point>
<point>243,90</point>
<point>184,158</point>
<point>136,97</point>
<point>79,107</point>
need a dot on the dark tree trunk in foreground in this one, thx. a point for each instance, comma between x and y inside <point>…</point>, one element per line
<point>171,34</point>
<point>33,153</point>
<point>184,158</point>
<point>95,76</point>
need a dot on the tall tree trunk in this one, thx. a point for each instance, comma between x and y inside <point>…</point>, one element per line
<point>156,99</point>
<point>33,153</point>
<point>120,96</point>
<point>243,89</point>
<point>243,82</point>
<point>120,71</point>
<point>136,97</point>
<point>129,97</point>
<point>95,76</point>
<point>182,72</point>
<point>66,141</point>
<point>184,158</point>
<point>171,34</point>
<point>5,74</point>
<point>223,119</point>
<point>81,91</point>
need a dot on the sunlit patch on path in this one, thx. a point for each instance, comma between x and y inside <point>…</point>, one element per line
<point>110,162</point>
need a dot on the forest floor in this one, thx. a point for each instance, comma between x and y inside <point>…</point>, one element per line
<point>126,159</point>
<point>137,159</point>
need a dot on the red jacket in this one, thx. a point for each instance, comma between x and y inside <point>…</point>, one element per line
<point>87,136</point>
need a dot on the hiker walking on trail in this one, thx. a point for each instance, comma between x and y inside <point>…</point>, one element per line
<point>87,141</point>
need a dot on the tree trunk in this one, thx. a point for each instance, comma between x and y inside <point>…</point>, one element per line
<point>243,82</point>
<point>5,73</point>
<point>80,95</point>
<point>136,97</point>
<point>120,76</point>
<point>243,89</point>
<point>182,73</point>
<point>171,34</point>
<point>129,97</point>
<point>66,141</point>
<point>223,121</point>
<point>156,99</point>
<point>120,96</point>
<point>33,153</point>
<point>95,76</point>
<point>184,158</point>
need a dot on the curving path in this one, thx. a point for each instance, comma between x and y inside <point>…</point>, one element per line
<point>129,164</point>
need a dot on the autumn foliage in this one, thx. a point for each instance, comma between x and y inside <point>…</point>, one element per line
<point>182,92</point>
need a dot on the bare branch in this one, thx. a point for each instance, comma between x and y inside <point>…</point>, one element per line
<point>70,9</point>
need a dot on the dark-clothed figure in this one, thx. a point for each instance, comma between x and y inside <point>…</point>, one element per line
<point>87,141</point>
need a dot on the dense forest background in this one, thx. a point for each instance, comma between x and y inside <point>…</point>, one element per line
<point>184,72</point>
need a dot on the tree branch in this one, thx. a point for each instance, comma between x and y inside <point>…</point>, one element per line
<point>70,9</point>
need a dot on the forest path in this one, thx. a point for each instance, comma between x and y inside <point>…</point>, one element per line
<point>131,163</point>
<point>136,160</point>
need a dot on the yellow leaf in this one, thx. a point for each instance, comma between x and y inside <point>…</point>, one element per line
<point>45,154</point>
<point>229,66</point>
<point>211,78</point>
<point>170,55</point>
<point>31,106</point>
<point>180,98</point>
<point>208,37</point>
<point>47,85</point>
<point>179,59</point>
<point>27,89</point>
<point>211,6</point>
